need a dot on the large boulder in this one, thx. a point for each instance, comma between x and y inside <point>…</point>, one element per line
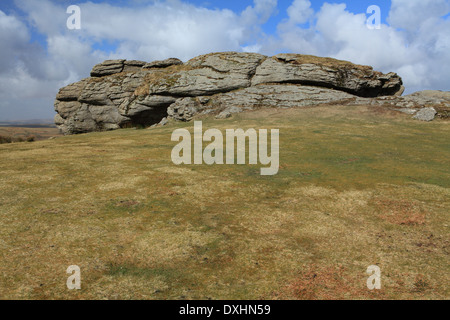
<point>123,93</point>
<point>107,68</point>
<point>163,63</point>
<point>326,72</point>
<point>424,105</point>
<point>426,114</point>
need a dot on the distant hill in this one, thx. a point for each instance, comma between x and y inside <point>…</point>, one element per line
<point>33,123</point>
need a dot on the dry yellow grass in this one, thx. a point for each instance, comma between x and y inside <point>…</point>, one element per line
<point>356,188</point>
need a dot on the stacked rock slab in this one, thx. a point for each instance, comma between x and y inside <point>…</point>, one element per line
<point>123,93</point>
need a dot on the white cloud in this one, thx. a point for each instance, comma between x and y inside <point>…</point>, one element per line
<point>27,76</point>
<point>411,15</point>
<point>154,31</point>
<point>14,38</point>
<point>259,13</point>
<point>300,11</point>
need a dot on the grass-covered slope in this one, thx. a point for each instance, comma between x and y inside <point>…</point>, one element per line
<point>356,187</point>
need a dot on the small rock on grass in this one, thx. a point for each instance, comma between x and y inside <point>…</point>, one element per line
<point>426,114</point>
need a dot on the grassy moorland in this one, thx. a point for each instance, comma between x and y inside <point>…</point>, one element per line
<point>356,187</point>
<point>20,134</point>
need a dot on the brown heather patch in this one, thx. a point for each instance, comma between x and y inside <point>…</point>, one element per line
<point>127,203</point>
<point>386,111</point>
<point>331,63</point>
<point>317,282</point>
<point>161,76</point>
<point>421,284</point>
<point>167,191</point>
<point>21,134</point>
<point>401,212</point>
<point>443,111</point>
<point>142,90</point>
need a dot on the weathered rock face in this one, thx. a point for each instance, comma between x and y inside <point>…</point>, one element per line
<point>330,73</point>
<point>424,105</point>
<point>123,93</point>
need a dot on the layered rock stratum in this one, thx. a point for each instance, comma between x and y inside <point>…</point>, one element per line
<point>123,93</point>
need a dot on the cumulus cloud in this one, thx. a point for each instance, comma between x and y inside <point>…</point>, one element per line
<point>299,12</point>
<point>413,15</point>
<point>27,76</point>
<point>155,30</point>
<point>259,13</point>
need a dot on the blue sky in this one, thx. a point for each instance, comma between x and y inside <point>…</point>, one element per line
<point>40,54</point>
